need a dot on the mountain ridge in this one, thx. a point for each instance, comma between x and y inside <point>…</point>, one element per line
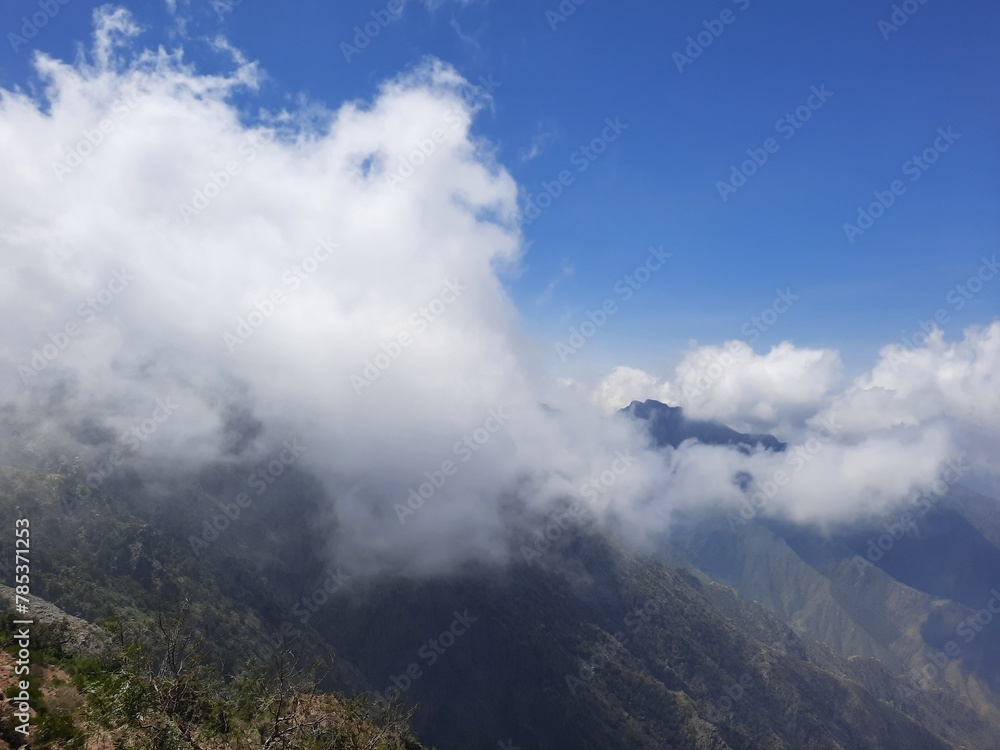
<point>669,426</point>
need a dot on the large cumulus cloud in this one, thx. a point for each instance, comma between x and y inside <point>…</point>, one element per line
<point>333,279</point>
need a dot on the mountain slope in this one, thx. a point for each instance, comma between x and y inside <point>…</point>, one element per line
<point>906,588</point>
<point>590,646</point>
<point>619,651</point>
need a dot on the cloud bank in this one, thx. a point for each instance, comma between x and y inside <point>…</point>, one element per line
<point>212,280</point>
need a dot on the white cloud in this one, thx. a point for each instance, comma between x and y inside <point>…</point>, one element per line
<point>953,383</point>
<point>145,196</point>
<point>894,429</point>
<point>210,211</point>
<point>912,386</point>
<point>623,385</point>
<point>733,384</point>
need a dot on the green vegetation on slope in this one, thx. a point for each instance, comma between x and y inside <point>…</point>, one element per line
<point>150,687</point>
<point>589,647</point>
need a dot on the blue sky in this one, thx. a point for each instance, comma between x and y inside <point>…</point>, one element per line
<point>657,183</point>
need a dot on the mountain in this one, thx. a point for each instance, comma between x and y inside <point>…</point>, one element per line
<point>917,589</point>
<point>617,650</point>
<point>589,646</point>
<point>669,427</point>
<point>920,597</point>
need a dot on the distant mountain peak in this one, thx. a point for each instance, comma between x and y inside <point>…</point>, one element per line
<point>669,426</point>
